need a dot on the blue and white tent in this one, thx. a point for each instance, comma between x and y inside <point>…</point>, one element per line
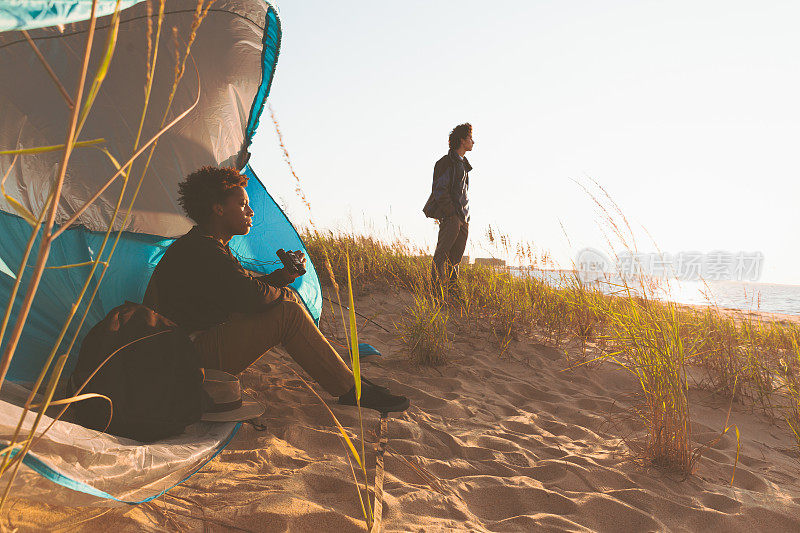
<point>235,51</point>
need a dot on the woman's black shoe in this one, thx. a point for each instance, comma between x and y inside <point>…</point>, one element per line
<point>375,397</point>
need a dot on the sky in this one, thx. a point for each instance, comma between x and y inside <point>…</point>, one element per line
<point>686,113</point>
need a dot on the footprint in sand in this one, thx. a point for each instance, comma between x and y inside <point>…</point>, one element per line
<point>720,502</point>
<point>490,498</point>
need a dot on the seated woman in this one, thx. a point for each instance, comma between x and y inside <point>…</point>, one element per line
<point>236,317</point>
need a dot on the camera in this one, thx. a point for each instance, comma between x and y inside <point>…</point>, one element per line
<point>293,261</point>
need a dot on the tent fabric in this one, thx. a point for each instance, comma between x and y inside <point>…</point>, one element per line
<point>271,230</point>
<point>101,466</point>
<point>129,271</point>
<point>31,14</point>
<point>271,45</point>
<point>228,55</point>
<point>235,53</point>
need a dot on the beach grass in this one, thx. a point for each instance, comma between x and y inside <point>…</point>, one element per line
<point>668,347</point>
<point>423,329</point>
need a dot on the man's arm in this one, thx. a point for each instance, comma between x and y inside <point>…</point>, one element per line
<point>441,191</point>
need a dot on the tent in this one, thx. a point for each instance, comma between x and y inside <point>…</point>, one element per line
<point>235,53</point>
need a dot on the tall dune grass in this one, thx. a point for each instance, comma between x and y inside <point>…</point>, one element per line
<point>645,340</point>
<point>423,329</point>
<point>666,346</point>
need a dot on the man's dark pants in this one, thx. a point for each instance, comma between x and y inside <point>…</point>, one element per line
<point>453,233</point>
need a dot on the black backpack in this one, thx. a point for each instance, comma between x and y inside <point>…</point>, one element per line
<point>432,208</point>
<point>154,380</point>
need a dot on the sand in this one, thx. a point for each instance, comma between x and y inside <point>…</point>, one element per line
<point>516,443</point>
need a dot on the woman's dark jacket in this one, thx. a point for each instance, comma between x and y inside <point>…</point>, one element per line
<point>199,283</point>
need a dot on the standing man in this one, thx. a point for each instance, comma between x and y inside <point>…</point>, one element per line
<point>449,204</point>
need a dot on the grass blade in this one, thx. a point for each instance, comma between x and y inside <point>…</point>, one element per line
<point>102,70</point>
<point>353,335</point>
<point>53,148</point>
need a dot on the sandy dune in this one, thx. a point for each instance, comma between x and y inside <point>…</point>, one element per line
<point>517,444</point>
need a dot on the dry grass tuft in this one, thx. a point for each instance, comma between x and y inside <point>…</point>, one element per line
<point>424,331</point>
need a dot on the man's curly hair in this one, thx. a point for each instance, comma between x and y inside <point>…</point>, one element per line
<point>460,132</point>
<point>205,187</point>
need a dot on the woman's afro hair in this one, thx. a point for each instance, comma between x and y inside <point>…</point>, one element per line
<point>205,187</point>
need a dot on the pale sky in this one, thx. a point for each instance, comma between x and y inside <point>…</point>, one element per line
<point>687,113</point>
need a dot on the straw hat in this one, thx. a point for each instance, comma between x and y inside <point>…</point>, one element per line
<point>224,401</point>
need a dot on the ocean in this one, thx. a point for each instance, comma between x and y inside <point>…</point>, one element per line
<point>745,296</point>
